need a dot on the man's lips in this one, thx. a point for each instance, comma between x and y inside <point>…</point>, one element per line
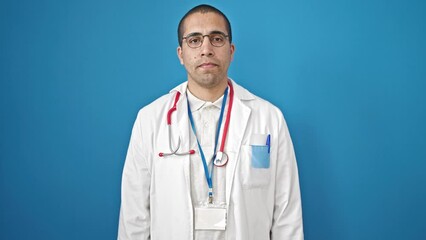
<point>207,65</point>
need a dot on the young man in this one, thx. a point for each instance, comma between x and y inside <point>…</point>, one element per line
<point>210,160</point>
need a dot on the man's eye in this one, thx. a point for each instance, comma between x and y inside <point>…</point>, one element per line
<point>217,39</point>
<point>194,40</point>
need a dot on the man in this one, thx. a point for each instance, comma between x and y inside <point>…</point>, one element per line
<point>210,160</point>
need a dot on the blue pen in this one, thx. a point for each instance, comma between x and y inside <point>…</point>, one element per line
<point>268,142</point>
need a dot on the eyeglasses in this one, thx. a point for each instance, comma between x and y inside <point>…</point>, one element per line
<point>195,40</point>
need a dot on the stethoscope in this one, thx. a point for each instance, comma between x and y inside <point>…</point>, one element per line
<point>169,127</point>
<point>220,158</point>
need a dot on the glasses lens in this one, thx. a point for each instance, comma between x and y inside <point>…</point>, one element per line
<point>194,41</point>
<point>217,40</point>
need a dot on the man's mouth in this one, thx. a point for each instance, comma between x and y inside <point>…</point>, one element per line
<point>207,65</point>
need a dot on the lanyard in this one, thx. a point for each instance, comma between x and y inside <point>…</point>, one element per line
<point>209,175</point>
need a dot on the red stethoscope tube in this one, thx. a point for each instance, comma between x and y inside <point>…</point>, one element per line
<point>228,117</point>
<point>171,110</point>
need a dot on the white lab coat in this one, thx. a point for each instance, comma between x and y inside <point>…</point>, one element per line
<point>262,203</point>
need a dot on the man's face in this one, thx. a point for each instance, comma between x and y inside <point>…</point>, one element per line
<point>207,65</point>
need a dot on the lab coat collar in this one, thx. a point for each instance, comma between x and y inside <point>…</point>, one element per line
<point>239,92</point>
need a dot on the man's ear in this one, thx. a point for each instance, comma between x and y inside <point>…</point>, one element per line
<point>179,54</point>
<point>232,49</point>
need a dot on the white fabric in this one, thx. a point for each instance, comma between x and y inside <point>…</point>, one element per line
<point>262,203</point>
<point>206,117</point>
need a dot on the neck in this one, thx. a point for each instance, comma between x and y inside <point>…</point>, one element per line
<point>210,94</point>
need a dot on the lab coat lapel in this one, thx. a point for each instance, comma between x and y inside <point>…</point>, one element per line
<point>239,118</point>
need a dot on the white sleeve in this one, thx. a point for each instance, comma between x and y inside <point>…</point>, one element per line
<point>287,217</point>
<point>135,219</point>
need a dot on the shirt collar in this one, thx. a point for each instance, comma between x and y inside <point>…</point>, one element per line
<point>239,92</point>
<point>196,103</point>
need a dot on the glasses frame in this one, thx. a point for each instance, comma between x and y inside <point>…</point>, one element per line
<point>203,36</point>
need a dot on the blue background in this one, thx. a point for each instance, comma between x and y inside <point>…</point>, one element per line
<point>348,75</point>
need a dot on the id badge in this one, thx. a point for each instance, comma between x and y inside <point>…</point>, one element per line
<point>210,218</point>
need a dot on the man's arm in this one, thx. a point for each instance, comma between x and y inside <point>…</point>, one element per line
<point>287,218</point>
<point>135,216</point>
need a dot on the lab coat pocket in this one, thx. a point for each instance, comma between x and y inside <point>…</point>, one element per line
<point>260,156</point>
<point>255,170</point>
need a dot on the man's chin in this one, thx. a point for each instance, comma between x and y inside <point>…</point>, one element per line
<point>208,81</point>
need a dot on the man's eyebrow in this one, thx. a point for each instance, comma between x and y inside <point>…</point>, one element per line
<point>218,32</point>
<point>193,34</point>
<point>198,33</point>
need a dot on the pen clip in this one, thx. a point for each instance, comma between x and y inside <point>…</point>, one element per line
<point>268,142</point>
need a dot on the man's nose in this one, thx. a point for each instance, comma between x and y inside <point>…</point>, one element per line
<point>207,49</point>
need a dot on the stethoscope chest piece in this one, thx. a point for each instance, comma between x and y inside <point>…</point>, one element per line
<point>221,159</point>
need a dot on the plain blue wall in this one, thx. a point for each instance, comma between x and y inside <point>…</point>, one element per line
<point>348,75</point>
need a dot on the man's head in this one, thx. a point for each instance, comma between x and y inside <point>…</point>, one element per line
<point>205,47</point>
<point>203,8</point>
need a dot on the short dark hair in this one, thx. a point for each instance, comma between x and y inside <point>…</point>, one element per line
<point>203,8</point>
